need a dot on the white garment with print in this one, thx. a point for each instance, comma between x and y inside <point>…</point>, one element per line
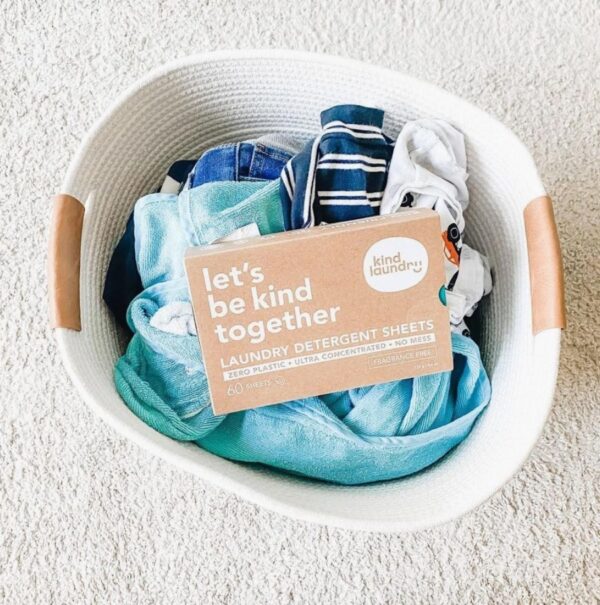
<point>428,169</point>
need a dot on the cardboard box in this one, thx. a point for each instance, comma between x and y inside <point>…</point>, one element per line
<point>308,312</point>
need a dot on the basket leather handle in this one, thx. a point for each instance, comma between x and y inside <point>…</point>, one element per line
<point>545,266</point>
<point>64,255</point>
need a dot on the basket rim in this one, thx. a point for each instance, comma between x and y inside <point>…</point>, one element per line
<point>270,53</point>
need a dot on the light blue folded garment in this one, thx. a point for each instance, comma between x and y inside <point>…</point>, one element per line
<point>166,224</point>
<point>359,436</point>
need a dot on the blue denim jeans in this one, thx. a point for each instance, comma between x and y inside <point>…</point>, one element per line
<point>239,162</point>
<point>258,160</point>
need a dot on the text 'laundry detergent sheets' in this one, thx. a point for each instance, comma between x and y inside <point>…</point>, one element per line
<point>302,313</point>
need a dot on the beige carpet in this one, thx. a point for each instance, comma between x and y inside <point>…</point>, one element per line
<point>86,517</point>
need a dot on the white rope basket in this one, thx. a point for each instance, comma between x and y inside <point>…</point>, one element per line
<point>188,106</point>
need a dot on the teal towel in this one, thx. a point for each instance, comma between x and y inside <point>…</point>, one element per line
<point>363,435</point>
<point>359,436</point>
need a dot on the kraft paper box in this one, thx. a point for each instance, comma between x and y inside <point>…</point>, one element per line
<point>320,310</point>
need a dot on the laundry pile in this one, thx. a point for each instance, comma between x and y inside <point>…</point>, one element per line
<point>350,170</point>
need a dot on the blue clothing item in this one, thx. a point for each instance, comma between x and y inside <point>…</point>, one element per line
<point>340,175</point>
<point>239,162</point>
<point>123,281</point>
<point>164,371</point>
<point>363,435</point>
<point>166,225</point>
<point>262,159</point>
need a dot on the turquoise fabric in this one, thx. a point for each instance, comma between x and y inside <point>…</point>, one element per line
<point>358,436</point>
<point>167,224</point>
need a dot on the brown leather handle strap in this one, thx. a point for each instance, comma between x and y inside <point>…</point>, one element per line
<point>64,255</point>
<point>545,266</point>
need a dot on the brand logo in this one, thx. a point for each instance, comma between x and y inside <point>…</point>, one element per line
<point>395,263</point>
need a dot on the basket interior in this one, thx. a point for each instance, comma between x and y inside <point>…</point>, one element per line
<point>197,104</point>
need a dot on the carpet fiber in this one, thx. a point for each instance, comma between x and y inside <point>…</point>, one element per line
<point>87,517</point>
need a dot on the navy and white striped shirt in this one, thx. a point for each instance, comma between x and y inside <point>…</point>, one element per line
<point>340,175</point>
